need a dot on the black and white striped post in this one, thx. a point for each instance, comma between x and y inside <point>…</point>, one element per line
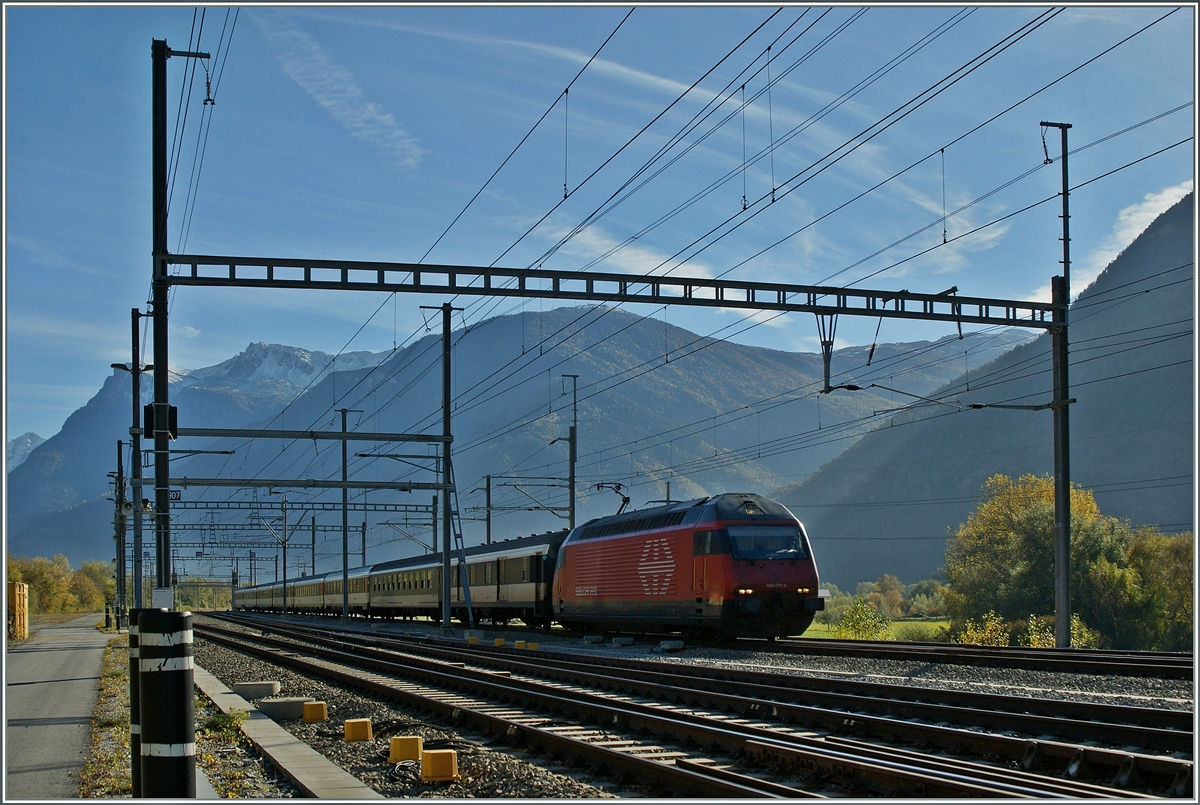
<point>165,689</point>
<point>135,737</point>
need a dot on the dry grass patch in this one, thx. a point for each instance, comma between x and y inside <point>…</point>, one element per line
<point>223,751</point>
<point>107,770</point>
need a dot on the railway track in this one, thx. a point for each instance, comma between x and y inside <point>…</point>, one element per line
<point>1162,665</point>
<point>743,718</point>
<point>1137,664</point>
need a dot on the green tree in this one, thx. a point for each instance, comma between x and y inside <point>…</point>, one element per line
<point>103,577</point>
<point>89,597</point>
<point>1110,596</point>
<point>888,596</point>
<point>1081,635</point>
<point>835,607</point>
<point>14,569</point>
<point>201,593</point>
<point>1002,558</point>
<point>1134,588</point>
<point>1144,601</point>
<point>55,587</point>
<point>1166,602</point>
<point>925,599</point>
<point>50,584</point>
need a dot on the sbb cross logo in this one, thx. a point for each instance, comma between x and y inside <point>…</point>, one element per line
<point>656,567</point>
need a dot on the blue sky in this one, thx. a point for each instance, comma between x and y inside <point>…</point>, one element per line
<point>360,133</point>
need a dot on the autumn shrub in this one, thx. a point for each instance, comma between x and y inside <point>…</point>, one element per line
<point>918,632</point>
<point>863,622</point>
<point>1038,633</point>
<point>989,631</point>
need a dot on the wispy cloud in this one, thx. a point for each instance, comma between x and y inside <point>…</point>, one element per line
<point>91,340</point>
<point>42,255</point>
<point>96,341</point>
<point>335,89</point>
<point>1131,222</point>
<point>953,255</point>
<point>508,48</point>
<point>592,243</point>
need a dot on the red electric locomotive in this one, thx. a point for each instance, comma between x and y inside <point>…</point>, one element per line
<point>734,565</point>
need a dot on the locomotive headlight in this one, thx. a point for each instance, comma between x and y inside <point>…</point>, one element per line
<point>745,591</point>
<point>804,590</point>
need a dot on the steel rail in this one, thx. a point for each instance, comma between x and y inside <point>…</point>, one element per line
<point>1173,774</point>
<point>672,682</point>
<point>857,694</point>
<point>644,769</point>
<point>730,734</point>
<point>1082,661</point>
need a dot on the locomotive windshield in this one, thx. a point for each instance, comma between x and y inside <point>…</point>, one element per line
<point>766,542</point>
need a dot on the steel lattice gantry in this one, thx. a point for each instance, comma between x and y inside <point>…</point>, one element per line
<point>342,275</point>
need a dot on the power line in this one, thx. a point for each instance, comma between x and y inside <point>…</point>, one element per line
<point>639,133</point>
<point>431,247</point>
<point>549,109</point>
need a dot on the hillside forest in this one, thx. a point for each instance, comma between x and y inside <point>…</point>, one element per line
<point>1131,588</point>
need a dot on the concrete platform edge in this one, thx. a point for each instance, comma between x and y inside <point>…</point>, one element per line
<point>312,772</point>
<point>204,788</point>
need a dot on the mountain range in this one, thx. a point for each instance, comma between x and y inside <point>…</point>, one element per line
<point>879,476</point>
<point>657,405</point>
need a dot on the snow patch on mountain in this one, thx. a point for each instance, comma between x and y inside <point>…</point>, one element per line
<point>18,449</point>
<point>265,364</point>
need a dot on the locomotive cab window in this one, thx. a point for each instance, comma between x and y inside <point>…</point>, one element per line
<point>707,543</point>
<point>766,542</point>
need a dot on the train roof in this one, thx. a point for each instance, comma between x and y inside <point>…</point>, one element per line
<point>294,580</point>
<point>520,546</point>
<point>508,547</point>
<point>727,506</point>
<point>747,506</point>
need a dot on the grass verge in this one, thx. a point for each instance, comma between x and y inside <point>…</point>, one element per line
<point>223,751</point>
<point>107,771</point>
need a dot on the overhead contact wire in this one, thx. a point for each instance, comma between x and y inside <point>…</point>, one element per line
<point>523,139</point>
